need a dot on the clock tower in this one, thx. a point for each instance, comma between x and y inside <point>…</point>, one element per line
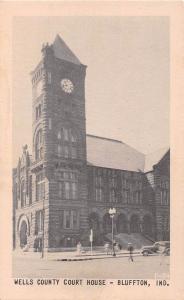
<point>59,145</point>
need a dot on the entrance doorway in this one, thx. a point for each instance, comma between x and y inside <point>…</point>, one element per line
<point>23,234</point>
<point>122,224</point>
<point>134,224</point>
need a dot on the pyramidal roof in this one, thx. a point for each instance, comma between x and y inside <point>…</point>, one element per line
<point>62,51</point>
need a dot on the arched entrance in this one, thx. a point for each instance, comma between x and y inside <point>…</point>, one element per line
<point>107,223</point>
<point>23,234</point>
<point>23,231</point>
<point>134,224</point>
<point>94,221</point>
<point>122,224</point>
<point>147,225</point>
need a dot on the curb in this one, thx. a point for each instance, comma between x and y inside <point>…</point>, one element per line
<point>92,258</point>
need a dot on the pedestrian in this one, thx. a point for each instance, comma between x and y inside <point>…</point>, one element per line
<point>114,244</point>
<point>79,248</point>
<point>130,249</point>
<point>107,248</point>
<point>36,244</point>
<point>118,247</point>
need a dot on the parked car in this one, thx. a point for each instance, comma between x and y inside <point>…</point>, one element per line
<point>164,247</point>
<point>158,247</point>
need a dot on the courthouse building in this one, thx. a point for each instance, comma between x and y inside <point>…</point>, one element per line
<point>66,187</point>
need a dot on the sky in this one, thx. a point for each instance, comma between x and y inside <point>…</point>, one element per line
<point>127,80</point>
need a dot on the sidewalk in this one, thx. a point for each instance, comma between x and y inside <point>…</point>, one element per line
<point>89,256</point>
<point>74,256</point>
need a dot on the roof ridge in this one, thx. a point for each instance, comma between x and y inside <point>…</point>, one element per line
<point>166,148</point>
<point>104,138</point>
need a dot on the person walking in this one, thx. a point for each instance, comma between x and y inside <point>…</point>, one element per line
<point>130,249</point>
<point>107,248</point>
<point>79,248</point>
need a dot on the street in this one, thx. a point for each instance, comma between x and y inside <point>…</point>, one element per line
<point>118,267</point>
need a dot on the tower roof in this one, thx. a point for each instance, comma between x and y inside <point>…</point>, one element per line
<point>153,158</point>
<point>62,51</point>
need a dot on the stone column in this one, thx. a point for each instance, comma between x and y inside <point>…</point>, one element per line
<point>101,226</point>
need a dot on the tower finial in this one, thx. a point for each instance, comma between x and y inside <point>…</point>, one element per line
<point>46,49</point>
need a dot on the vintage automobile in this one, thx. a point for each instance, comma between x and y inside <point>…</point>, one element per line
<point>161,247</point>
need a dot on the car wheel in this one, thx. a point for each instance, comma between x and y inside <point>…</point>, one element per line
<point>145,253</point>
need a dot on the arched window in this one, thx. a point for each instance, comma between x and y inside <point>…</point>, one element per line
<point>39,145</point>
<point>73,145</point>
<point>23,193</point>
<point>16,195</point>
<point>67,143</point>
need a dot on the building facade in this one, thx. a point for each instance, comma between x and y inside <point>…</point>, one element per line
<point>66,187</point>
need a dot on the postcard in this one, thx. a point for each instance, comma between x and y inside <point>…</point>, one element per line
<point>92,137</point>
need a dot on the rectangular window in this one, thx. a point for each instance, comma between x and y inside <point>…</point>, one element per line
<point>67,184</point>
<point>167,197</point>
<point>40,187</point>
<point>137,197</point>
<point>164,197</point>
<point>61,190</point>
<point>59,150</point>
<point>161,197</point>
<point>73,176</point>
<point>124,199</point>
<point>98,180</point>
<point>140,197</point>
<point>67,190</point>
<point>99,194</point>
<point>66,151</point>
<point>30,190</point>
<point>49,77</point>
<point>127,196</point>
<point>127,183</point>
<point>113,197</point>
<point>38,221</point>
<point>67,219</point>
<point>74,151</point>
<point>113,182</point>
<point>74,190</point>
<point>71,219</point>
<point>67,175</point>
<point>75,223</point>
<point>50,123</point>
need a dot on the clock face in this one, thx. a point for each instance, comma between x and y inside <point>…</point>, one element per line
<point>67,86</point>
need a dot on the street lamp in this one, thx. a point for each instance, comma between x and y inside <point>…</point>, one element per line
<point>112,212</point>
